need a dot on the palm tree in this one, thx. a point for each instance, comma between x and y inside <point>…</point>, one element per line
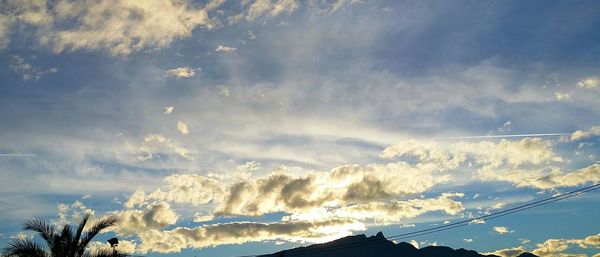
<point>61,243</point>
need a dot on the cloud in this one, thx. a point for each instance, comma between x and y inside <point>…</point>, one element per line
<point>271,9</point>
<point>26,70</point>
<point>154,216</point>
<point>120,27</point>
<point>182,189</point>
<point>477,221</point>
<point>223,90</point>
<point>176,239</point>
<point>502,230</point>
<point>488,154</point>
<point>583,134</point>
<point>509,252</point>
<point>5,23</point>
<point>181,72</point>
<point>183,128</point>
<point>227,49</point>
<point>354,191</point>
<point>468,240</point>
<point>396,211</point>
<point>169,109</point>
<point>544,180</point>
<point>71,213</point>
<point>125,246</point>
<point>553,247</point>
<point>589,83</point>
<point>155,143</point>
<point>562,96</point>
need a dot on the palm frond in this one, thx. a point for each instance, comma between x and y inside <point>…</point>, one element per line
<point>66,244</point>
<point>43,228</point>
<point>24,248</point>
<point>78,234</point>
<point>96,228</point>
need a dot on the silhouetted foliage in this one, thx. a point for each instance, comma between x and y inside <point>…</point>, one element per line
<point>61,241</point>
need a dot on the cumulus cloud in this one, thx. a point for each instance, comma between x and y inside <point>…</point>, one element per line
<point>319,206</point>
<point>553,247</point>
<point>523,162</point>
<point>269,8</point>
<point>486,153</point>
<point>227,49</point>
<point>71,213</point>
<point>508,252</point>
<point>545,180</point>
<point>152,144</point>
<point>174,240</point>
<point>502,230</point>
<point>223,90</point>
<point>121,27</point>
<point>125,246</point>
<point>181,72</point>
<point>154,216</point>
<point>19,65</point>
<point>583,134</point>
<point>183,128</point>
<point>5,23</point>
<point>396,211</point>
<point>589,83</point>
<point>562,96</point>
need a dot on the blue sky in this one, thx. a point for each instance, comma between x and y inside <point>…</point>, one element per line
<point>223,128</point>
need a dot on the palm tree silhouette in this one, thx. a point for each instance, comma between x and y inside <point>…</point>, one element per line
<point>61,243</point>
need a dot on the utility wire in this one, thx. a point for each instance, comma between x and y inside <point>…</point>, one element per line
<point>447,226</point>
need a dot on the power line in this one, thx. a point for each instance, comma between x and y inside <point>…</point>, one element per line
<point>467,222</point>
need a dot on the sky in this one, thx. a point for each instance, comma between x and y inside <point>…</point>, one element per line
<point>225,128</point>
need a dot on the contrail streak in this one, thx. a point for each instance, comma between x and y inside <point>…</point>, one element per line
<point>17,155</point>
<point>507,136</point>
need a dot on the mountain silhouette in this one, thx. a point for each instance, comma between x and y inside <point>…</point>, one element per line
<point>376,246</point>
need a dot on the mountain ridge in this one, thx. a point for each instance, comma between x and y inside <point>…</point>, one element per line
<point>376,246</point>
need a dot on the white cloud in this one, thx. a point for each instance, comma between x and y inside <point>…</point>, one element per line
<point>71,213</point>
<point>154,216</point>
<point>477,221</point>
<point>509,252</point>
<point>396,211</point>
<point>5,24</point>
<point>169,109</point>
<point>181,72</point>
<point>468,240</point>
<point>227,49</point>
<point>553,247</point>
<point>545,180</point>
<point>153,143</point>
<point>589,83</point>
<point>121,27</point>
<point>125,246</point>
<point>502,230</point>
<point>562,96</point>
<point>498,205</point>
<point>223,90</point>
<point>488,154</point>
<point>267,8</point>
<point>583,134</point>
<point>414,243</point>
<point>176,239</point>
<point>26,70</point>
<point>183,128</point>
